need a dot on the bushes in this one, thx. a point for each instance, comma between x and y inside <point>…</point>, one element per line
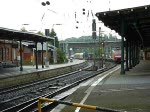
<point>61,57</point>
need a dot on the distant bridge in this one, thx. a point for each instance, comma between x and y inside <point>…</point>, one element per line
<point>67,46</point>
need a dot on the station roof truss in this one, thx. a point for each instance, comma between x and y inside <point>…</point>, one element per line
<point>136,19</point>
<point>10,34</point>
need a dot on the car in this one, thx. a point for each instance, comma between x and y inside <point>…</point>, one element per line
<point>71,59</point>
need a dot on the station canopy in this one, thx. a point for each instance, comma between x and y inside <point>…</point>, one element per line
<point>136,23</point>
<point>10,34</point>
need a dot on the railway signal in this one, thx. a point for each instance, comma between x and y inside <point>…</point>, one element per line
<point>94,29</point>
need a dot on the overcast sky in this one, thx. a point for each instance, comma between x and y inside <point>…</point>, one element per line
<point>15,13</point>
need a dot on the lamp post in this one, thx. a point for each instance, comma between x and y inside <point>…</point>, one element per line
<point>55,49</point>
<point>101,47</point>
<point>99,44</point>
<point>55,52</point>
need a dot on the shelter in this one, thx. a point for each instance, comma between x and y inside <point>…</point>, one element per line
<point>133,24</point>
<point>15,35</point>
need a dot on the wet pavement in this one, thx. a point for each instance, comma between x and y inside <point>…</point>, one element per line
<point>28,69</point>
<point>129,92</point>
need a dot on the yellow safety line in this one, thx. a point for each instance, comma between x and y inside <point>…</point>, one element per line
<point>84,106</point>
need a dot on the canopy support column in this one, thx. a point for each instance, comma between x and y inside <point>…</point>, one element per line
<point>122,46</point>
<point>21,50</point>
<point>36,55</point>
<point>42,56</point>
<point>127,59</point>
<point>130,55</point>
<point>138,52</point>
<point>133,55</point>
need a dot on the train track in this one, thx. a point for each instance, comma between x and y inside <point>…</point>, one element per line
<point>24,98</point>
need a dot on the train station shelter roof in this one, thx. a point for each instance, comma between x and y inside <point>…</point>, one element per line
<point>136,19</point>
<point>10,34</point>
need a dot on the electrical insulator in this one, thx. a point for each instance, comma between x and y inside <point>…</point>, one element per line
<point>43,3</point>
<point>47,2</point>
<point>83,11</point>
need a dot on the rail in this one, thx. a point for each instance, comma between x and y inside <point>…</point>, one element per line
<point>73,104</point>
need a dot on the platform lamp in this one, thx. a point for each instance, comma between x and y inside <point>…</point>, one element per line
<point>46,60</point>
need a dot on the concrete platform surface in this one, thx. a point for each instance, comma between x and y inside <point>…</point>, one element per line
<point>129,92</point>
<point>4,72</point>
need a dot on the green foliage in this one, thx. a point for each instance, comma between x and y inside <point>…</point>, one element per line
<point>97,51</point>
<point>90,39</point>
<point>40,33</point>
<point>61,57</point>
<point>52,33</point>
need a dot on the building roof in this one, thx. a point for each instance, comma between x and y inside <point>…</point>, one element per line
<point>136,19</point>
<point>39,46</point>
<point>10,34</point>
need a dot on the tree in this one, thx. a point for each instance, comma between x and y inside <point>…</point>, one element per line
<point>61,57</point>
<point>40,33</point>
<point>52,33</point>
<point>23,29</point>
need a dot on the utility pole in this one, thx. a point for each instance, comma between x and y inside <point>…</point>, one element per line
<point>94,37</point>
<point>55,51</point>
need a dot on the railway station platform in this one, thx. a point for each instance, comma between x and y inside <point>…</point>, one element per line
<point>129,92</point>
<point>6,72</point>
<point>13,76</point>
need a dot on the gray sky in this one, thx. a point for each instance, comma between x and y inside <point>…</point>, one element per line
<point>15,13</point>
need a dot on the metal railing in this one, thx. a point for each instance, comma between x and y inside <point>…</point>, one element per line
<point>73,104</point>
